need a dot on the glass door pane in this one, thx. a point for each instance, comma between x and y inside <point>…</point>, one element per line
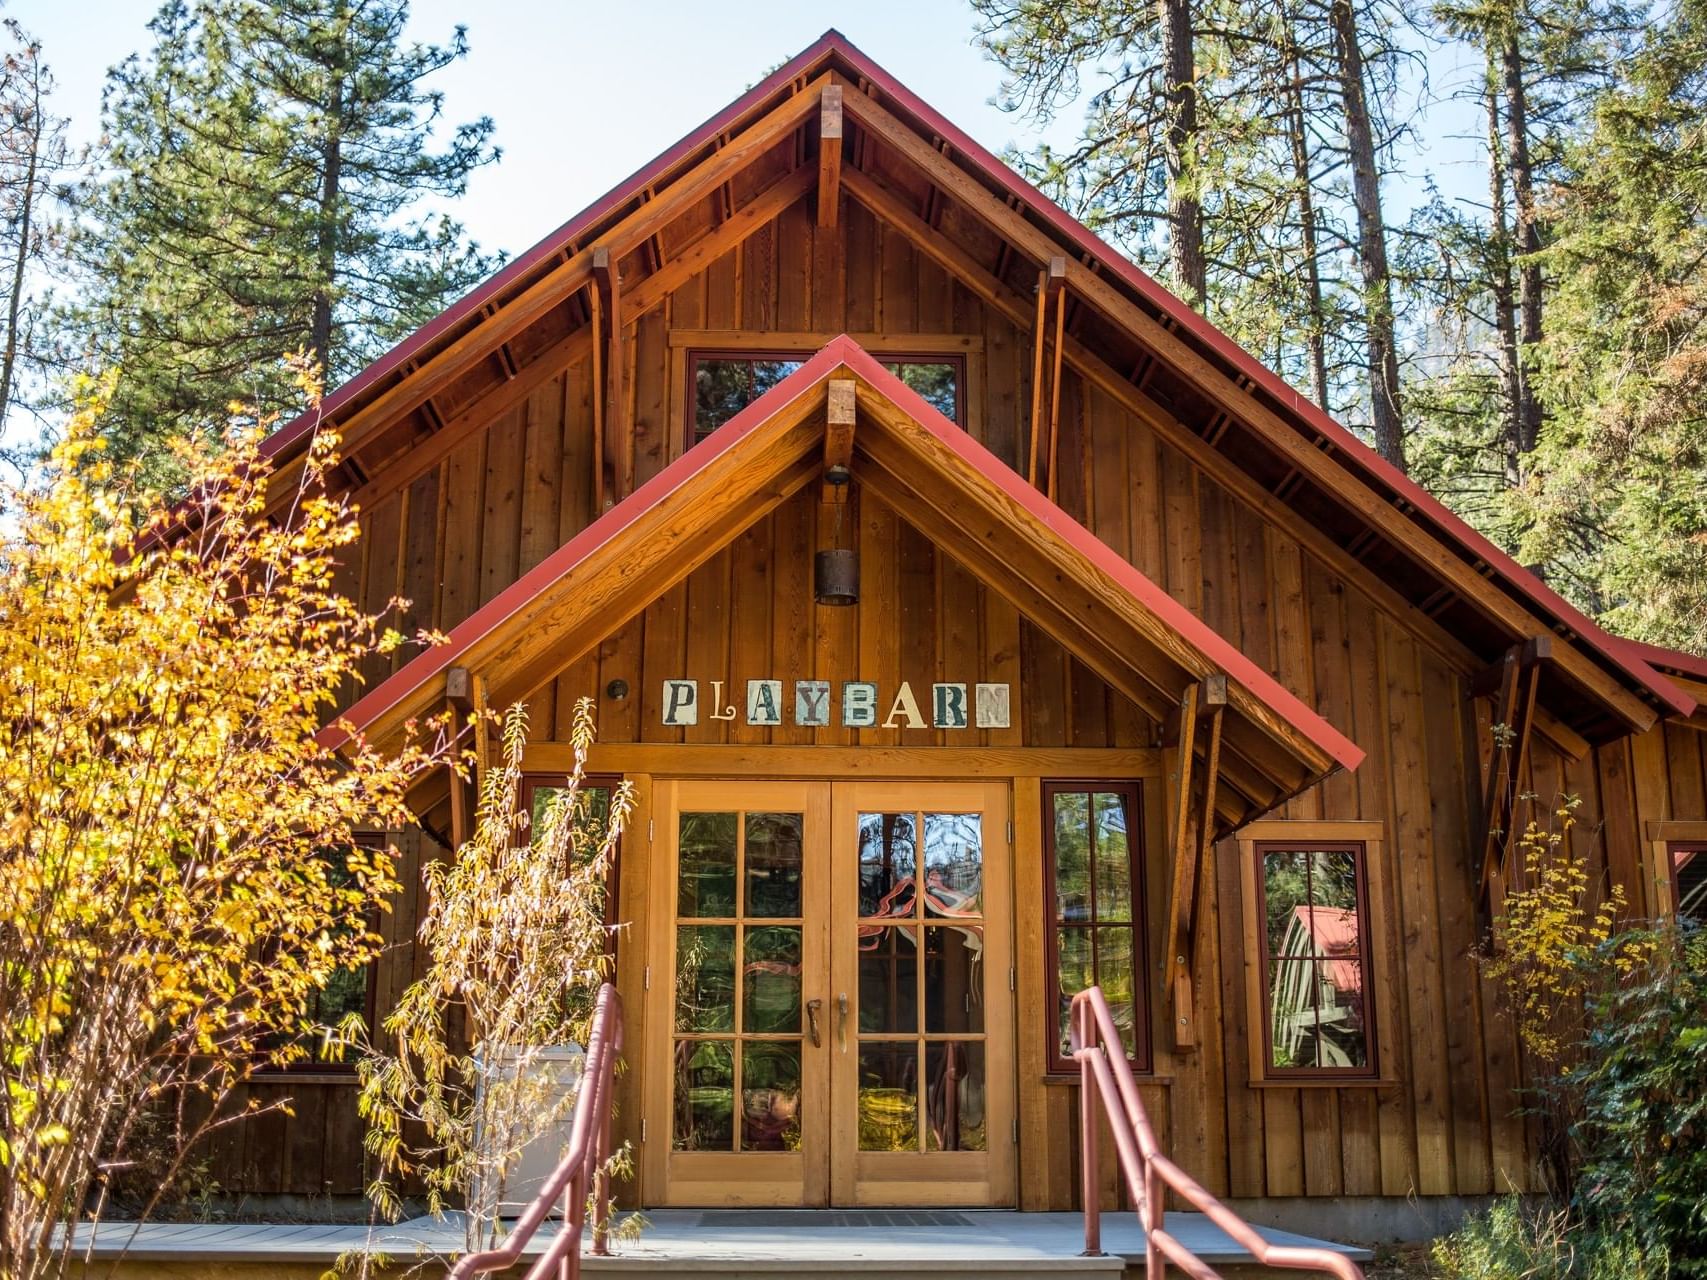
<point>921,952</point>
<point>739,972</point>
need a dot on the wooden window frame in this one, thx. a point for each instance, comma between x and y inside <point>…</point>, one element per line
<point>1665,836</point>
<point>689,346</point>
<point>1143,1059</point>
<point>1368,840</point>
<point>531,782</point>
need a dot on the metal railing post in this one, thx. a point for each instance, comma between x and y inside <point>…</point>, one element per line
<point>1089,1156</point>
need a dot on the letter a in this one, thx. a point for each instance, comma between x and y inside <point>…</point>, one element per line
<point>907,705</point>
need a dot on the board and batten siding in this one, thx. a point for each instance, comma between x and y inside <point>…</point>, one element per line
<point>1443,1123</point>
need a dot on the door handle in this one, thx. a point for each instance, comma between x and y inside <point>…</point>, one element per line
<point>812,1007</point>
<point>842,1021</point>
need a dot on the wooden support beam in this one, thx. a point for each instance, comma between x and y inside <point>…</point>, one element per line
<point>596,322</point>
<point>459,700</point>
<point>839,436</point>
<point>1038,330</point>
<point>618,460</point>
<point>1518,675</point>
<point>1192,834</point>
<point>829,156</point>
<point>482,733</point>
<point>1057,291</point>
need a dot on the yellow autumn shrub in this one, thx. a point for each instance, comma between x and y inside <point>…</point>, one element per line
<point>178,873</point>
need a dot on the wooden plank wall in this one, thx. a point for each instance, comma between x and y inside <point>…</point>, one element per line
<point>1446,1124</point>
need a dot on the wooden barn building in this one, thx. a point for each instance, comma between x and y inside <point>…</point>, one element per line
<point>1131,667</point>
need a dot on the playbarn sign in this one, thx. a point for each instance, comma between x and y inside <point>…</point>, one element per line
<point>854,704</point>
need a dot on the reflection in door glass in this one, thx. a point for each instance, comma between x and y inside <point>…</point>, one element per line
<point>770,1095</point>
<point>705,977</point>
<point>954,1096</point>
<point>954,987</point>
<point>771,979</point>
<point>705,1096</point>
<point>705,881</point>
<point>888,979</point>
<point>954,864</point>
<point>887,857</point>
<point>773,861</point>
<point>888,1097</point>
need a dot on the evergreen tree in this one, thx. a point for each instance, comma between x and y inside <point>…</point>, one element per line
<point>33,156</point>
<point>1619,502</point>
<point>263,171</point>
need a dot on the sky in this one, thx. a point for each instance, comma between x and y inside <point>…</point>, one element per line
<point>583,93</point>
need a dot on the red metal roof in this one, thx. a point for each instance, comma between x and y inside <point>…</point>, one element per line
<point>1310,419</point>
<point>845,352</point>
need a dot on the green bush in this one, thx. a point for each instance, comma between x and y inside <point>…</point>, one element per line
<point>1640,1087</point>
<point>1515,1241</point>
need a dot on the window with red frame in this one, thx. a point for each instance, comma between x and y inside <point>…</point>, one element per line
<point>596,791</point>
<point>1313,913</point>
<point>1095,890</point>
<point>1689,878</point>
<point>724,383</point>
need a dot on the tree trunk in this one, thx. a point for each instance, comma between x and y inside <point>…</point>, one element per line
<point>1383,355</point>
<point>1500,284</point>
<point>1315,337</point>
<point>1185,210</point>
<point>1526,234</point>
<point>21,259</point>
<point>326,247</point>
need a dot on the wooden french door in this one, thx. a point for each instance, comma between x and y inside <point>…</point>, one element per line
<point>831,1009</point>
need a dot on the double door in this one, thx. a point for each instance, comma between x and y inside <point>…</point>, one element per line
<point>830,1009</point>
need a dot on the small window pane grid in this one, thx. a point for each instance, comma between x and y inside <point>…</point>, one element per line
<point>738,1039</point>
<point>593,811</point>
<point>921,975</point>
<point>348,990</point>
<point>726,383</point>
<point>1313,914</point>
<point>1095,889</point>
<point>1689,879</point>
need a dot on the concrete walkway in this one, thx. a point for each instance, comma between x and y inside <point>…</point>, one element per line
<point>822,1242</point>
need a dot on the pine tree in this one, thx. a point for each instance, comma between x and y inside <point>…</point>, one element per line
<point>34,155</point>
<point>264,170</point>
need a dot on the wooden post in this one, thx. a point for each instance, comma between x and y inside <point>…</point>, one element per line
<point>596,320</point>
<point>839,411</point>
<point>1037,376</point>
<point>459,698</point>
<point>1513,684</point>
<point>830,156</point>
<point>1192,833</point>
<point>1057,292</point>
<point>618,447</point>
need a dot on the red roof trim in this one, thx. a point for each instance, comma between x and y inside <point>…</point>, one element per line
<point>845,351</point>
<point>532,584</point>
<point>1175,616</point>
<point>1353,451</point>
<point>1681,661</point>
<point>519,267</point>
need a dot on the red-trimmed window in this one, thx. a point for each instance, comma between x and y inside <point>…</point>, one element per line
<point>1688,859</point>
<point>1317,983</point>
<point>596,793</point>
<point>1095,891</point>
<point>726,382</point>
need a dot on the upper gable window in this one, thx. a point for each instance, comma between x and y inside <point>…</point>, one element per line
<point>724,383</point>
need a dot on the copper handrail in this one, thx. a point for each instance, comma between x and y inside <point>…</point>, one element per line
<point>1106,1077</point>
<point>579,1176</point>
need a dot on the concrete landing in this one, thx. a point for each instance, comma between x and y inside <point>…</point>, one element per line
<point>764,1243</point>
